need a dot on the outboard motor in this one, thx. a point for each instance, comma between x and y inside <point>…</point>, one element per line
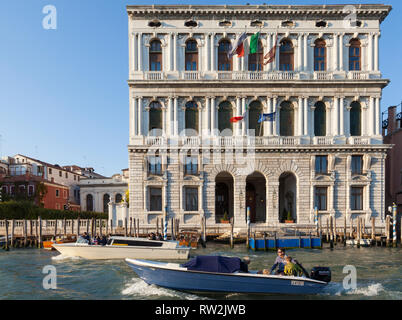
<point>321,274</point>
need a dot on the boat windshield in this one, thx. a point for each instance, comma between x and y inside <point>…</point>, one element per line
<point>82,240</point>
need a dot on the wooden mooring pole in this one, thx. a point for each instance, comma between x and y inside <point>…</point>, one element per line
<point>6,244</point>
<point>231,234</point>
<point>331,244</point>
<point>12,232</point>
<point>40,233</point>
<point>358,232</point>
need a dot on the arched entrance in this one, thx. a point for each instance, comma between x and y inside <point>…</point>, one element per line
<point>287,198</point>
<point>224,196</point>
<point>90,203</point>
<point>256,197</point>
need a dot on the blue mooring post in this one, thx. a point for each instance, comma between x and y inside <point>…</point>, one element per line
<point>394,216</point>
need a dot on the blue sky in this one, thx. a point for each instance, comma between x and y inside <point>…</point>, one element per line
<point>63,92</point>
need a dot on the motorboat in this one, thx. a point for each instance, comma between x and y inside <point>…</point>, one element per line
<point>223,275</point>
<point>123,247</point>
<point>48,245</point>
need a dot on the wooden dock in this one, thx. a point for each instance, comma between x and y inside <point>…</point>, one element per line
<point>23,233</point>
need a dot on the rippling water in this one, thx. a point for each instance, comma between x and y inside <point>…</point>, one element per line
<point>379,274</point>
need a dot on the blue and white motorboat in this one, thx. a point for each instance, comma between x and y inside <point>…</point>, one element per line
<point>224,276</point>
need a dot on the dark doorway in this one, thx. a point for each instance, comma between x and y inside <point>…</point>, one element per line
<point>223,197</point>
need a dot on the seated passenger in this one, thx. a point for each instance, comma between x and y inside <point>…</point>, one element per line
<point>244,264</point>
<point>279,262</point>
<point>292,269</point>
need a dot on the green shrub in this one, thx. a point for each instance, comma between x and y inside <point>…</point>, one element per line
<point>27,210</point>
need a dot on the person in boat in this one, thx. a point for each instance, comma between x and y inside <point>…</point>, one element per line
<point>86,237</point>
<point>159,237</point>
<point>292,269</point>
<point>244,264</point>
<point>151,236</point>
<point>279,263</point>
<point>103,241</point>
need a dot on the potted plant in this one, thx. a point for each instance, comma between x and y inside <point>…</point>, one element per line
<point>289,218</point>
<point>225,218</point>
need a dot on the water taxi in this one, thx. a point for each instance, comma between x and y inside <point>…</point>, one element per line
<point>125,247</point>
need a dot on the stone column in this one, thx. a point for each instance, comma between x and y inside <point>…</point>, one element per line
<point>376,52</point>
<point>341,52</point>
<point>277,115</point>
<point>238,113</point>
<point>347,121</point>
<point>200,115</point>
<point>212,51</point>
<point>133,117</point>
<point>364,119</point>
<point>140,66</point>
<point>305,47</point>
<point>378,123</point>
<point>336,51</point>
<point>371,117</point>
<point>174,51</point>
<point>269,47</point>
<point>244,113</point>
<point>175,119</point>
<point>213,116</point>
<point>140,112</point>
<point>300,117</point>
<point>270,123</point>
<point>306,125</point>
<point>169,117</point>
<point>131,52</point>
<point>299,51</point>
<point>370,51</point>
<point>341,116</point>
<point>207,112</point>
<point>335,117</point>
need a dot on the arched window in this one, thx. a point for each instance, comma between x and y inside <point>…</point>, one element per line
<point>320,55</point>
<point>224,64</point>
<point>106,200</point>
<point>254,113</point>
<point>286,119</point>
<point>119,198</point>
<point>191,118</point>
<point>225,113</point>
<point>286,56</point>
<point>355,55</point>
<point>255,60</point>
<point>191,55</point>
<point>90,202</point>
<point>355,119</point>
<point>320,119</point>
<point>155,118</point>
<point>155,56</point>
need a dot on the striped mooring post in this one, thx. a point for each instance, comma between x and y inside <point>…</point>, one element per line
<point>165,229</point>
<point>248,228</point>
<point>316,219</point>
<point>394,215</point>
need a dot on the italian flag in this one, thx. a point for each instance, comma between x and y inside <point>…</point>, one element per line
<point>239,47</point>
<point>239,118</point>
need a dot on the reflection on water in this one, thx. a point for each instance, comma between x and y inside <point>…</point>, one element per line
<point>379,271</point>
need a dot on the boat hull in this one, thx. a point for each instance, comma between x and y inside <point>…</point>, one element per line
<point>196,281</point>
<point>121,252</point>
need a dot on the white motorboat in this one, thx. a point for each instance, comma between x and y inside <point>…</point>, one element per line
<point>125,247</point>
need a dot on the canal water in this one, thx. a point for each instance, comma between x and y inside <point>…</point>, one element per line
<point>379,274</point>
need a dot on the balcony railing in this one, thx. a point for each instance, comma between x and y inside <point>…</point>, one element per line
<point>358,75</point>
<point>191,75</point>
<point>249,141</point>
<point>323,140</point>
<point>154,75</point>
<point>258,75</point>
<point>323,75</point>
<point>255,75</point>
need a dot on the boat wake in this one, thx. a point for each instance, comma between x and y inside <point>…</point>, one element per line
<point>139,288</point>
<point>369,290</point>
<point>60,257</point>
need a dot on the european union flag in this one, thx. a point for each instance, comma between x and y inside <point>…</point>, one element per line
<point>267,117</point>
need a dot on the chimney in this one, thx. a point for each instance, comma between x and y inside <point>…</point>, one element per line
<point>391,120</point>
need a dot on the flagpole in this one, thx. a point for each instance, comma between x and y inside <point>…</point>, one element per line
<point>261,117</point>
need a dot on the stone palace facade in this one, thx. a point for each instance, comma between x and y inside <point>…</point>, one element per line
<point>323,150</point>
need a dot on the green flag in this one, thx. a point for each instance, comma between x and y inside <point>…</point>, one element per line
<point>254,42</point>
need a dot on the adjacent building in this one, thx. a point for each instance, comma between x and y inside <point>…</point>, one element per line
<point>97,193</point>
<point>190,158</point>
<point>392,130</point>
